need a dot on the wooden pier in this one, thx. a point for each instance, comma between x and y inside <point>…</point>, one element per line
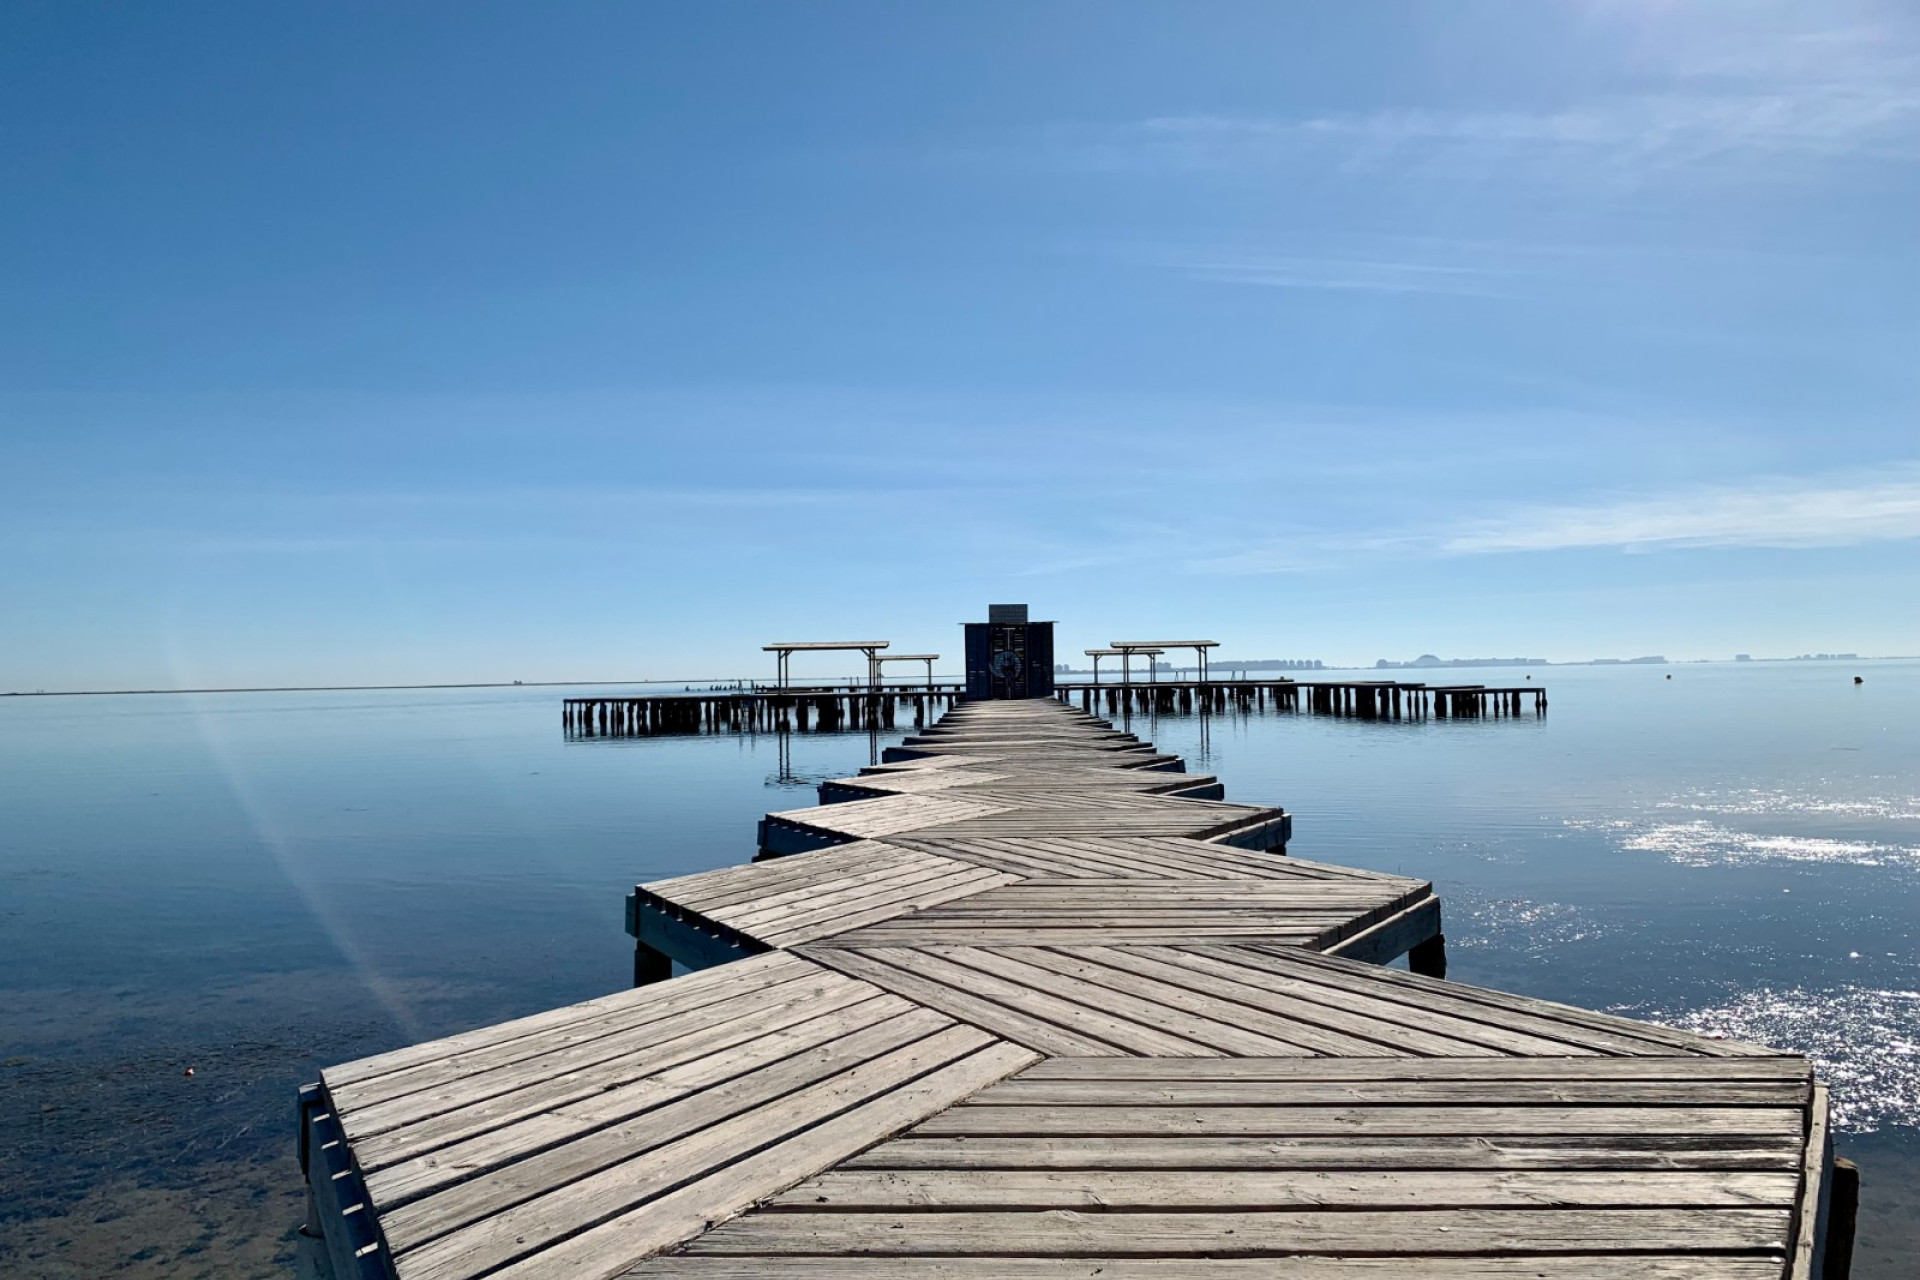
<point>1360,699</point>
<point>754,710</point>
<point>861,706</point>
<point>1039,1004</point>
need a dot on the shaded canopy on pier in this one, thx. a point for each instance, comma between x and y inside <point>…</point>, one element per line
<point>784,650</point>
<point>1199,648</point>
<point>1125,656</point>
<point>928,658</point>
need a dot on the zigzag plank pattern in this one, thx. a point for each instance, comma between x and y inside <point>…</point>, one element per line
<point>1028,1000</point>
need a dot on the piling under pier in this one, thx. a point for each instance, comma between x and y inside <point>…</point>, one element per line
<point>751,710</point>
<point>1359,699</point>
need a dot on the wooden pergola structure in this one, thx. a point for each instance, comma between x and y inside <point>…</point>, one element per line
<point>928,658</point>
<point>1125,656</point>
<point>783,652</point>
<point>1199,647</point>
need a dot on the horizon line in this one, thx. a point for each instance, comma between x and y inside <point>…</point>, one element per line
<point>557,684</point>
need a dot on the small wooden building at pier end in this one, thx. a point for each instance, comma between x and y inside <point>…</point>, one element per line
<point>1009,656</point>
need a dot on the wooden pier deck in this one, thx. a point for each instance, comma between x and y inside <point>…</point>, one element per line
<point>1045,1034</point>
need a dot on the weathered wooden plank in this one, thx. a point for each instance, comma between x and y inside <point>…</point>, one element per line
<point>885,1022</point>
<point>846,873</point>
<point>1300,916</point>
<point>1412,1029</point>
<point>1296,1093</point>
<point>1684,1070</point>
<point>1807,1261</point>
<point>1414,1233</point>
<point>1346,1152</point>
<point>1128,996</point>
<point>1588,1021</point>
<point>1559,1266</point>
<point>990,853</point>
<point>966,971</point>
<point>1385,940</point>
<point>931,879</point>
<point>535,1221</point>
<point>788,907</point>
<point>964,933</point>
<point>539,1171</point>
<point>1008,1023</point>
<point>708,890</point>
<point>1411,1121</point>
<point>490,1098</point>
<point>1248,1031</point>
<point>397,1098</point>
<point>681,993</point>
<point>864,819</point>
<point>621,1240</point>
<point>1338,981</point>
<point>1111,1191</point>
<point>847,918</point>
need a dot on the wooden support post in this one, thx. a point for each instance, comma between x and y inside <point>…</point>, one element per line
<point>650,966</point>
<point>1429,958</point>
<point>1843,1204</point>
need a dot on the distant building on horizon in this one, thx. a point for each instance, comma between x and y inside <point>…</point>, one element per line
<point>1428,660</point>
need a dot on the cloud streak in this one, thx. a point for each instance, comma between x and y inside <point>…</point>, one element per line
<point>1355,275</point>
<point>1777,514</point>
<point>1774,514</point>
<point>1763,104</point>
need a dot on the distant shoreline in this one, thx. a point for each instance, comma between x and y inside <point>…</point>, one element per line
<point>356,688</point>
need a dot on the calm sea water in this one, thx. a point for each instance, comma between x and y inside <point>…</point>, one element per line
<point>253,885</point>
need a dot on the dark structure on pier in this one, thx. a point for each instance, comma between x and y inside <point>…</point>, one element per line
<point>1008,656</point>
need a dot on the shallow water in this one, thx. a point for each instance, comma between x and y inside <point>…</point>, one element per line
<point>252,885</point>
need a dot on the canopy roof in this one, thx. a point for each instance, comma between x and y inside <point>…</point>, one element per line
<point>794,646</point>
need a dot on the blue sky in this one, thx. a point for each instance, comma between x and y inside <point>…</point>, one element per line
<point>370,342</point>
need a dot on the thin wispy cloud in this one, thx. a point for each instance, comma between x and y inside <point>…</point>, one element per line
<point>1777,514</point>
<point>1765,105</point>
<point>1356,275</point>
<point>1774,514</point>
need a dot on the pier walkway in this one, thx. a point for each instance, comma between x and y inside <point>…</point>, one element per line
<point>1028,1012</point>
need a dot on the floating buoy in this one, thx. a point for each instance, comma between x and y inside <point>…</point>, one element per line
<point>189,1071</point>
<point>1859,680</point>
<point>1669,676</point>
